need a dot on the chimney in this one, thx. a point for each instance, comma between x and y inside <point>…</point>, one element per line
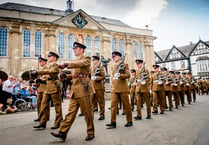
<point>191,43</point>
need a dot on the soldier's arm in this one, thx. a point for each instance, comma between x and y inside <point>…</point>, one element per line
<point>126,75</point>
<point>86,61</point>
<point>53,70</point>
<point>102,74</point>
<point>148,76</point>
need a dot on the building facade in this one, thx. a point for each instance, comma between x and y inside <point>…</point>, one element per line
<point>26,32</point>
<point>192,58</point>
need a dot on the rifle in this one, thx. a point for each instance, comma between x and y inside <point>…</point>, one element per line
<point>143,75</point>
<point>120,67</point>
<point>97,70</point>
<point>175,80</point>
<point>160,77</point>
<point>168,78</point>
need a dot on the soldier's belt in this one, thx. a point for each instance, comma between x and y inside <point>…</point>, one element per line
<point>52,79</point>
<point>155,81</point>
<point>81,76</point>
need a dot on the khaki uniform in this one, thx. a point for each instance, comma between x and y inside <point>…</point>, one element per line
<point>99,89</point>
<point>174,90</point>
<point>187,90</point>
<point>158,93</point>
<point>52,92</point>
<point>142,92</point>
<point>193,89</point>
<point>200,86</point>
<point>181,90</point>
<point>79,95</point>
<point>41,89</point>
<point>132,88</point>
<point>120,90</point>
<point>168,93</point>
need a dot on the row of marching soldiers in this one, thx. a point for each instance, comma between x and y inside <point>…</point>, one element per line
<point>88,82</point>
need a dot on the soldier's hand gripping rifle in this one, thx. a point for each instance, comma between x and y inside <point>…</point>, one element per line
<point>120,67</point>
<point>175,80</point>
<point>143,75</point>
<point>168,78</point>
<point>187,81</point>
<point>97,70</point>
<point>160,77</point>
<point>181,80</point>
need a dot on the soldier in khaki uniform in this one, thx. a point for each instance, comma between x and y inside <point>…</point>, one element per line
<point>200,86</point>
<point>80,93</point>
<point>41,84</point>
<point>167,87</point>
<point>98,76</point>
<point>132,87</point>
<point>187,89</point>
<point>192,87</point>
<point>180,87</point>
<point>142,89</point>
<point>174,88</point>
<point>52,92</point>
<point>120,72</point>
<point>157,86</point>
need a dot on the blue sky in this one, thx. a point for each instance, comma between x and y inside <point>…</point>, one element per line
<point>174,22</point>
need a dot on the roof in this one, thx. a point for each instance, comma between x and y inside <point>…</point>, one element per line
<point>51,11</point>
<point>163,53</point>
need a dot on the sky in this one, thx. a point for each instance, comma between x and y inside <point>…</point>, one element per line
<point>173,22</point>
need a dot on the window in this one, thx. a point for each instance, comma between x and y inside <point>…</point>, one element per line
<point>3,41</point>
<point>26,43</point>
<point>173,66</point>
<point>203,65</point>
<point>97,46</point>
<point>71,54</point>
<point>134,50</point>
<point>88,46</point>
<point>61,45</point>
<point>175,54</point>
<point>38,43</point>
<point>114,47</point>
<point>141,51</point>
<point>182,64</point>
<point>121,46</point>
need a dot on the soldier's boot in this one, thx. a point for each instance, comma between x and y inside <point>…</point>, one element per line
<point>111,125</point>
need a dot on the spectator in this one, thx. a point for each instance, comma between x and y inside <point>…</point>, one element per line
<point>10,108</point>
<point>1,85</point>
<point>26,95</point>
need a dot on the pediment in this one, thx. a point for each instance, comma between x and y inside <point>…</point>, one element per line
<point>175,54</point>
<point>79,19</point>
<point>200,48</point>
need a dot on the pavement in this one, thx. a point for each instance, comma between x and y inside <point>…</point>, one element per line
<point>187,125</point>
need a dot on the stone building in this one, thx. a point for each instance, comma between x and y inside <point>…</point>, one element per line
<point>26,32</point>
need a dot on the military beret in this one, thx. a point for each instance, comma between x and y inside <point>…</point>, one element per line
<point>116,53</point>
<point>138,61</point>
<point>155,66</point>
<point>164,69</point>
<point>94,57</point>
<point>177,72</point>
<point>152,72</point>
<point>171,72</point>
<point>133,70</point>
<point>184,73</point>
<point>189,73</point>
<point>51,53</point>
<point>42,59</point>
<point>77,44</point>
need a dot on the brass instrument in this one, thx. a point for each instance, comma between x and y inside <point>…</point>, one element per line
<point>143,75</point>
<point>120,67</point>
<point>97,70</point>
<point>168,78</point>
<point>187,81</point>
<point>175,80</point>
<point>160,77</point>
<point>181,80</point>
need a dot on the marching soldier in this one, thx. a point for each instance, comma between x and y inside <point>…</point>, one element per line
<point>187,87</point>
<point>174,88</point>
<point>167,87</point>
<point>142,89</point>
<point>41,84</point>
<point>97,81</point>
<point>180,87</point>
<point>52,92</point>
<point>200,86</point>
<point>132,87</point>
<point>120,72</point>
<point>157,86</point>
<point>79,95</point>
<point>192,86</point>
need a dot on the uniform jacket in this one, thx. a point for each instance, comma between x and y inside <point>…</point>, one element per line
<point>139,86</point>
<point>42,86</point>
<point>132,86</point>
<point>192,84</point>
<point>154,82</point>
<point>187,80</point>
<point>120,85</point>
<point>80,69</point>
<point>181,86</point>
<point>52,82</point>
<point>173,88</point>
<point>167,87</point>
<point>98,84</point>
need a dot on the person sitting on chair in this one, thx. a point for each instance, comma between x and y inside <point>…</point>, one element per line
<point>25,94</point>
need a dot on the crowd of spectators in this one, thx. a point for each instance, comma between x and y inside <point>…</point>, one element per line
<point>13,89</point>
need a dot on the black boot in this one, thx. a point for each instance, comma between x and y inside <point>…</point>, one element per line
<point>111,125</point>
<point>129,124</point>
<point>60,135</point>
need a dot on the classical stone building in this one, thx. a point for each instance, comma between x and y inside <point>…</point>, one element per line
<point>27,32</point>
<point>193,57</point>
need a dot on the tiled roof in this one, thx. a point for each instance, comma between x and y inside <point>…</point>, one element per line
<point>163,53</point>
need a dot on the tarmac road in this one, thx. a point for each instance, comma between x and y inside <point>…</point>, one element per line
<point>188,125</point>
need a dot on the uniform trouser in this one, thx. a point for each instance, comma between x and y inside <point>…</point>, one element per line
<point>132,97</point>
<point>56,98</point>
<point>139,97</point>
<point>100,97</point>
<point>39,99</point>
<point>159,97</point>
<point>181,95</point>
<point>188,94</point>
<point>114,106</point>
<point>84,103</point>
<point>95,103</point>
<point>176,98</point>
<point>193,92</point>
<point>201,89</point>
<point>169,95</point>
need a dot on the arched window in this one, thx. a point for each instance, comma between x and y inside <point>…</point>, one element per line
<point>141,56</point>
<point>26,43</point>
<point>88,46</point>
<point>70,46</point>
<point>114,47</point>
<point>61,45</point>
<point>97,46</point>
<point>38,43</point>
<point>3,41</point>
<point>121,46</point>
<point>134,50</point>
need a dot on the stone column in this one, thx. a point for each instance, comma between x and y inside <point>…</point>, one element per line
<point>50,41</point>
<point>129,52</point>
